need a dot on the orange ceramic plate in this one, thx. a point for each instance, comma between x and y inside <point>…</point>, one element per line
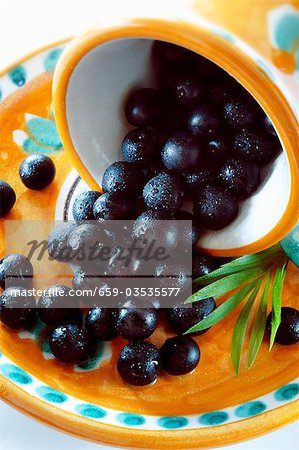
<point>208,407</point>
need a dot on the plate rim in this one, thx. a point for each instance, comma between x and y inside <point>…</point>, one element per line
<point>91,430</point>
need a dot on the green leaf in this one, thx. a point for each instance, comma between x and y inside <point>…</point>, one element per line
<point>258,329</point>
<point>263,259</point>
<point>240,328</point>
<point>265,254</point>
<point>226,284</point>
<point>223,310</point>
<point>276,300</point>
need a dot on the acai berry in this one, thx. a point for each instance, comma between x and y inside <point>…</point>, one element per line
<point>7,198</point>
<point>139,363</point>
<point>37,172</point>
<point>17,310</point>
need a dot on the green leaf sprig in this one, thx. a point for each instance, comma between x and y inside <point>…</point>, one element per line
<point>250,276</point>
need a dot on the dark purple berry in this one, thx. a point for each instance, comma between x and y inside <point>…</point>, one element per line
<point>174,119</point>
<point>181,152</point>
<point>224,90</point>
<point>113,206</point>
<point>288,330</point>
<point>159,169</point>
<point>139,363</point>
<point>17,311</point>
<point>163,192</point>
<point>241,178</point>
<point>205,121</point>
<point>136,321</point>
<point>189,234</point>
<point>37,172</point>
<point>241,112</point>
<point>170,54</point>
<point>144,107</point>
<point>89,278</point>
<point>157,226</point>
<point>7,198</point>
<point>83,205</point>
<point>215,208</point>
<point>71,344</point>
<point>87,237</point>
<point>174,276</point>
<point>15,270</point>
<point>123,176</point>
<point>57,306</point>
<point>58,247</point>
<point>188,90</point>
<point>195,180</point>
<point>256,146</point>
<point>217,149</point>
<point>139,206</point>
<point>202,265</point>
<point>206,69</point>
<point>101,323</point>
<point>179,355</point>
<point>182,317</point>
<point>140,145</point>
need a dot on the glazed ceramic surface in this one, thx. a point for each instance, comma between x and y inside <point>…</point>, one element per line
<point>90,400</point>
<point>209,407</point>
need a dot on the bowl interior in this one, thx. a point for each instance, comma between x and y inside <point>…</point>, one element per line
<point>97,90</point>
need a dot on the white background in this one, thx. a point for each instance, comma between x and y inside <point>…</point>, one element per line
<point>25,26</point>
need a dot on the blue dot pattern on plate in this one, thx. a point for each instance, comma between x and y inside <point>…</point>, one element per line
<point>51,395</point>
<point>15,374</point>
<point>52,59</point>
<point>90,411</point>
<point>287,393</point>
<point>213,418</point>
<point>18,76</point>
<point>172,422</point>
<point>131,420</point>
<point>250,409</point>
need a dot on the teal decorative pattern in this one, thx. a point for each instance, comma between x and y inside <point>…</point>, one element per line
<point>44,132</point>
<point>41,136</point>
<point>18,76</point>
<point>130,419</point>
<point>91,411</point>
<point>15,374</point>
<point>250,409</point>
<point>173,422</point>
<point>213,418</point>
<point>284,31</point>
<point>287,393</point>
<point>290,245</point>
<point>51,59</point>
<point>51,395</point>
<point>287,31</point>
